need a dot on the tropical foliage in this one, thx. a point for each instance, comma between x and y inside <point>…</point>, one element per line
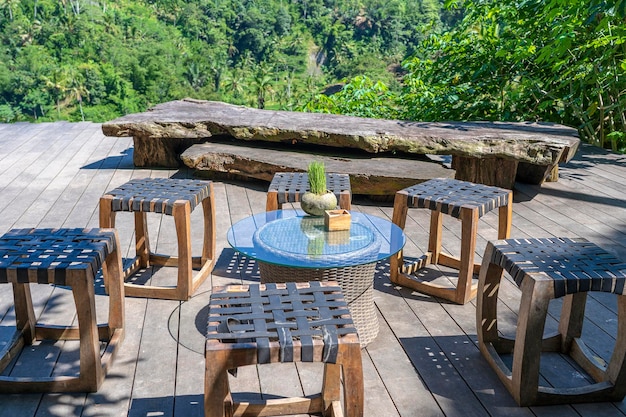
<point>561,61</point>
<point>96,60</point>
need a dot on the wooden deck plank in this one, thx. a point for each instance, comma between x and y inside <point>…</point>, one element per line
<point>56,174</point>
<point>18,142</point>
<point>394,371</point>
<point>28,180</point>
<point>59,175</point>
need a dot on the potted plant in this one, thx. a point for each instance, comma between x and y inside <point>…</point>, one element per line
<point>318,199</point>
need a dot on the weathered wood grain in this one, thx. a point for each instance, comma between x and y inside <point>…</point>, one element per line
<point>368,175</point>
<point>400,376</point>
<point>485,152</point>
<point>538,143</point>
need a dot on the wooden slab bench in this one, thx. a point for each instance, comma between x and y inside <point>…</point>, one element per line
<point>369,176</point>
<point>493,153</point>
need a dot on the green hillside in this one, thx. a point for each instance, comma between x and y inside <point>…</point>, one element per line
<point>428,60</point>
<point>96,60</point>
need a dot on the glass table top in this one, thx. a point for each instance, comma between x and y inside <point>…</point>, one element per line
<point>292,238</point>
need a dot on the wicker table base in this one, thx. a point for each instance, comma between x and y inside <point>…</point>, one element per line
<point>356,282</point>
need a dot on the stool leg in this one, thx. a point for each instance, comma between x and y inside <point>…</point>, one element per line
<point>469,228</point>
<point>216,391</point>
<point>434,236</point>
<point>182,215</point>
<point>106,213</point>
<point>400,210</point>
<point>142,243</point>
<point>91,373</point>
<point>107,221</point>
<point>345,200</point>
<point>487,299</point>
<point>353,381</point>
<point>616,369</point>
<point>571,320</point>
<point>331,387</point>
<point>505,216</point>
<point>24,314</point>
<point>271,203</point>
<point>208,209</point>
<point>536,295</point>
<point>113,273</point>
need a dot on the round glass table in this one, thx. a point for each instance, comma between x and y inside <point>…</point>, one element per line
<point>292,246</point>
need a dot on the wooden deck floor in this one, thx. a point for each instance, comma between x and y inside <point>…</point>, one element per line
<point>425,361</point>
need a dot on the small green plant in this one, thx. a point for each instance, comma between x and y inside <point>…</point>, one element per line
<point>317,177</point>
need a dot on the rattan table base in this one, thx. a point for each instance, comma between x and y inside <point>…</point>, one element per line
<point>356,282</point>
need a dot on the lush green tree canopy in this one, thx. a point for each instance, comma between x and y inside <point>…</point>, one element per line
<point>561,61</point>
<point>96,60</point>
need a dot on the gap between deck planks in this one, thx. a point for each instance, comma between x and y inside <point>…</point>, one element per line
<point>48,187</point>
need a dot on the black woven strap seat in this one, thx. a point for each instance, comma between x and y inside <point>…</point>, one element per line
<point>172,197</point>
<point>283,322</point>
<point>545,269</point>
<point>449,196</point>
<point>45,256</point>
<point>158,194</point>
<point>288,187</point>
<point>71,258</point>
<point>573,265</point>
<point>462,200</point>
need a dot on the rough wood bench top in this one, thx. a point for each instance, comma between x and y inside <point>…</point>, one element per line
<point>162,133</point>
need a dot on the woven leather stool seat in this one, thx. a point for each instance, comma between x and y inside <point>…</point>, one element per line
<point>72,258</point>
<point>289,322</point>
<point>546,269</point>
<point>459,199</point>
<point>177,198</point>
<point>288,187</point>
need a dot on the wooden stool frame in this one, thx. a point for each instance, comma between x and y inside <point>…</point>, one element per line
<point>539,285</point>
<point>288,187</point>
<point>293,336</point>
<point>175,197</point>
<point>460,199</point>
<point>33,260</point>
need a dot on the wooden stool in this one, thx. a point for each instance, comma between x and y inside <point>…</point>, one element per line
<point>291,322</point>
<point>68,257</point>
<point>288,187</point>
<point>177,198</point>
<point>462,200</point>
<point>545,269</point>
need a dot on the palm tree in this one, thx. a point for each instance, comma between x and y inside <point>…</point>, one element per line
<point>57,85</point>
<point>234,82</point>
<point>8,4</point>
<point>67,84</point>
<point>262,84</point>
<point>76,88</point>
<point>195,75</point>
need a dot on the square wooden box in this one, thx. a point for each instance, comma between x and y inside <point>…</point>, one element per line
<point>337,220</point>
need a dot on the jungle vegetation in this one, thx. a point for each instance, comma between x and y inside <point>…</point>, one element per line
<point>97,60</point>
<point>560,61</point>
